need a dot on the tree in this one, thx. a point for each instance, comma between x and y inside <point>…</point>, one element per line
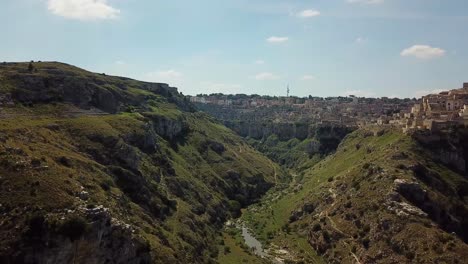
<point>30,66</point>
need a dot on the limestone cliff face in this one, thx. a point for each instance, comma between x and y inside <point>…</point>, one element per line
<point>259,130</point>
<point>109,94</point>
<point>287,130</point>
<point>169,128</point>
<point>450,149</point>
<point>104,240</point>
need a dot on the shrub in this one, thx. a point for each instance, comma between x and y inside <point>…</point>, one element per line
<point>74,227</point>
<point>214,252</point>
<point>31,67</point>
<point>106,185</point>
<point>316,227</point>
<point>366,242</point>
<point>36,225</point>
<point>270,235</point>
<point>410,255</point>
<point>235,207</point>
<point>326,236</point>
<point>367,228</point>
<point>227,250</point>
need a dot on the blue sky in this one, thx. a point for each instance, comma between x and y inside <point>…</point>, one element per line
<point>401,48</point>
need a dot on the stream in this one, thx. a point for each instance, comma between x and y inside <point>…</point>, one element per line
<point>253,243</point>
<point>257,246</point>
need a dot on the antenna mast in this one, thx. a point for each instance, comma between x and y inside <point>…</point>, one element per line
<point>287,91</point>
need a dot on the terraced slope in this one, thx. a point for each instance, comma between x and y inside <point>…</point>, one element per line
<point>101,169</point>
<point>381,198</point>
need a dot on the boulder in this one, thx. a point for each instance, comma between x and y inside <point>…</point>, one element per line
<point>83,195</point>
<point>296,215</point>
<point>412,191</point>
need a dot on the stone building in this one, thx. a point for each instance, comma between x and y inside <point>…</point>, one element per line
<point>440,111</point>
<point>464,115</point>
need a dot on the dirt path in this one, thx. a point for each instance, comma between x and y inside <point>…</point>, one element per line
<point>333,224</point>
<point>335,227</point>
<point>11,113</point>
<point>275,174</point>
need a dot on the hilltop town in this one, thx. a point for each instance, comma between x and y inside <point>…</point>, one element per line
<point>348,111</point>
<point>433,112</point>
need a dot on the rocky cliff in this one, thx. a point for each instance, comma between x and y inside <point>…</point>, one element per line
<point>57,82</point>
<point>450,148</point>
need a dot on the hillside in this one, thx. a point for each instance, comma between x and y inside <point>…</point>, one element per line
<point>102,169</point>
<point>381,198</point>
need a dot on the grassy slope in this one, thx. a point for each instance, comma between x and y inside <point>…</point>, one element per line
<point>47,158</point>
<point>353,184</point>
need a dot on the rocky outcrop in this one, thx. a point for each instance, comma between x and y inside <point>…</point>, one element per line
<point>127,155</point>
<point>449,148</point>
<point>87,235</point>
<point>32,89</point>
<point>65,83</point>
<point>297,214</point>
<point>167,127</point>
<point>259,130</point>
<point>424,205</point>
<point>147,142</point>
<point>410,190</point>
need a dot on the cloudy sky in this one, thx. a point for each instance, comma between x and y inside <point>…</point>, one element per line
<point>399,48</point>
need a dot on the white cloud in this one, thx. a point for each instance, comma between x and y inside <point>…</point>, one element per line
<point>83,9</point>
<point>119,62</point>
<point>266,76</point>
<point>423,52</point>
<point>361,40</point>
<point>308,13</point>
<point>259,62</point>
<point>277,39</point>
<point>308,78</point>
<point>171,77</point>
<point>367,2</point>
